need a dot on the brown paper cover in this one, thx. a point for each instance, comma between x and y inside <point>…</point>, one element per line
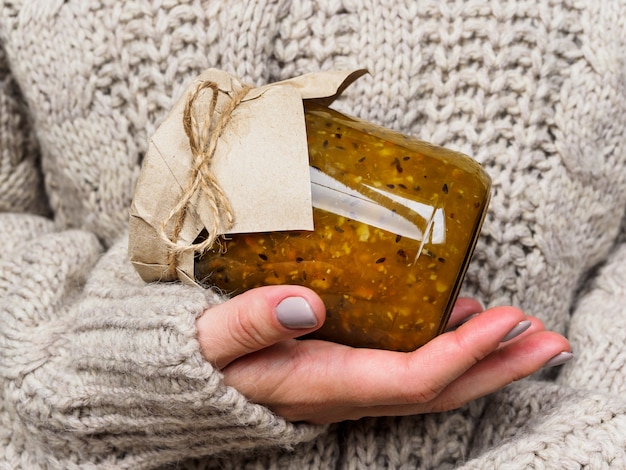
<point>260,162</point>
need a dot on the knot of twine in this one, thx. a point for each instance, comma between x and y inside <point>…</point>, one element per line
<point>203,138</point>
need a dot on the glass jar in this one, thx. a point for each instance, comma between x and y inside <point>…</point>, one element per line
<point>396,221</point>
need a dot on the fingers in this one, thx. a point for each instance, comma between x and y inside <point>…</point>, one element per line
<point>257,319</point>
<point>323,382</point>
<point>421,375</point>
<point>508,364</point>
<point>532,349</point>
<point>519,359</point>
<point>362,378</point>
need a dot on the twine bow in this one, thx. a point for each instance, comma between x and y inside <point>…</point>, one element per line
<point>203,138</point>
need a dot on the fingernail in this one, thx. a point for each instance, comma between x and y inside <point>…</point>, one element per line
<point>517,330</point>
<point>295,313</point>
<point>560,358</point>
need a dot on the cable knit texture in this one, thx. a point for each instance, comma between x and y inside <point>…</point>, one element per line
<point>100,370</point>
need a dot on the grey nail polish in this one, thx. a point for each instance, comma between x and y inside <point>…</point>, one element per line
<point>560,358</point>
<point>295,313</point>
<point>517,330</point>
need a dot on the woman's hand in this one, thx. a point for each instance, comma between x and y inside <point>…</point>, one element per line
<point>251,338</point>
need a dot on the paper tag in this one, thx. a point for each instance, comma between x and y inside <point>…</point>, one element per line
<point>261,163</point>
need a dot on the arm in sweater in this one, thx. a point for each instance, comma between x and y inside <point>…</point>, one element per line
<point>99,368</point>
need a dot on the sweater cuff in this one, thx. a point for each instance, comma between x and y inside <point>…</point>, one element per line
<point>120,380</point>
<point>597,331</point>
<point>536,424</point>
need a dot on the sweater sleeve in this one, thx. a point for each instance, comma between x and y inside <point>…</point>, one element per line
<point>21,186</point>
<point>102,369</point>
<point>97,368</point>
<point>598,331</point>
<point>580,420</point>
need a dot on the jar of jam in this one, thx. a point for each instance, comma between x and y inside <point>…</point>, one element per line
<point>396,221</point>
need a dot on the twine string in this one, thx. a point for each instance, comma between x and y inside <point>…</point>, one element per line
<point>203,138</point>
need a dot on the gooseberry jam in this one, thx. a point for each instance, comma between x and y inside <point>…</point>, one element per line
<point>396,221</point>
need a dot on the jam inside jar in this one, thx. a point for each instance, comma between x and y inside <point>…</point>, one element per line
<point>396,221</point>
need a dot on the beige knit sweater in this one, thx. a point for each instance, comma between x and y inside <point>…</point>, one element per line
<point>100,370</point>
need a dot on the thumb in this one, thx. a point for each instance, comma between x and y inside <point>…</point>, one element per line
<point>257,319</point>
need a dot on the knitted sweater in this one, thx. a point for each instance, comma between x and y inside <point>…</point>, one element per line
<point>101,370</point>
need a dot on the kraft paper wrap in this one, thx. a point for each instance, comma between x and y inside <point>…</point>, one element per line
<point>259,161</point>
